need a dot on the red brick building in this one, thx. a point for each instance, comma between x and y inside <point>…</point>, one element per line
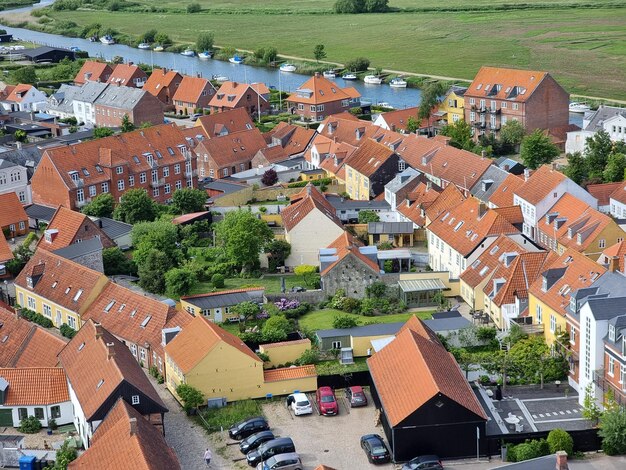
<point>162,84</point>
<point>128,75</point>
<point>157,159</point>
<point>193,93</point>
<point>225,123</point>
<point>254,98</point>
<point>13,218</point>
<point>93,71</point>
<point>319,97</point>
<point>499,95</point>
<point>116,101</point>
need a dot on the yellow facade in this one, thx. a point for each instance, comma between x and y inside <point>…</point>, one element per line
<point>552,321</point>
<point>282,353</point>
<point>454,107</point>
<point>611,235</point>
<point>311,175</point>
<point>357,185</point>
<point>362,345</point>
<point>219,315</point>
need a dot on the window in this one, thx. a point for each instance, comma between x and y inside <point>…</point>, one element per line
<point>168,188</point>
<point>133,349</point>
<point>71,321</point>
<point>47,311</point>
<point>515,106</point>
<point>131,180</point>
<point>22,413</point>
<point>155,192</point>
<point>80,195</point>
<point>572,338</point>
<point>552,323</point>
<point>119,170</point>
<point>189,183</point>
<point>312,108</point>
<point>142,354</point>
<point>142,178</point>
<point>538,312</point>
<point>39,413</point>
<point>92,191</point>
<point>622,375</point>
<point>611,366</point>
<point>320,108</point>
<point>55,411</point>
<point>155,176</point>
<point>32,304</point>
<point>166,171</point>
<point>225,171</point>
<point>612,332</point>
<point>105,187</point>
<point>336,344</point>
<point>120,185</point>
<point>179,184</point>
<point>135,399</point>
<point>602,243</point>
<point>22,196</point>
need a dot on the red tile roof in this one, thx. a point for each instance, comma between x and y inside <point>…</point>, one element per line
<point>398,119</point>
<point>348,245</point>
<point>125,439</point>
<point>417,201</point>
<point>615,252</point>
<point>230,93</point>
<point>70,225</point>
<point>304,203</point>
<point>289,373</point>
<point>181,219</point>
<point>418,326</point>
<point>12,211</point>
<point>294,139</point>
<point>354,132</point>
<point>540,184</point>
<point>5,250</point>
<point>512,213</point>
<point>412,370</point>
<point>18,93</point>
<point>620,193</point>
<point>35,386</point>
<point>233,149</point>
<point>517,277</point>
<point>95,71</point>
<point>231,121</point>
<point>514,85</point>
<point>602,192</point>
<point>369,157</point>
<point>123,74</point>
<point>321,91</point>
<point>160,79</point>
<point>449,198</point>
<point>503,196</point>
<point>191,88</point>
<point>223,292</point>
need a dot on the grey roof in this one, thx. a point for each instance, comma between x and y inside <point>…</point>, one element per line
<point>447,324</point>
<point>6,163</point>
<point>402,179</point>
<point>421,285</point>
<point>65,97</point>
<point>113,228</point>
<point>224,186</point>
<point>378,329</point>
<point>76,250</point>
<point>223,300</point>
<point>390,227</point>
<point>610,284</point>
<point>446,314</point>
<point>26,156</point>
<point>43,50</point>
<point>121,97</point>
<point>606,308</point>
<point>90,92</point>
<point>547,462</point>
<point>39,212</point>
<point>459,90</point>
<point>76,137</point>
<point>602,114</point>
<point>340,203</point>
<point>488,183</point>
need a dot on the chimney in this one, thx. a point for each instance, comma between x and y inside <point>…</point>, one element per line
<point>483,154</point>
<point>613,264</point>
<point>18,145</point>
<point>482,209</point>
<point>133,426</point>
<point>32,115</point>
<point>561,460</point>
<point>429,185</point>
<point>526,174</point>
<point>99,223</point>
<point>235,84</point>
<point>554,166</point>
<point>110,351</point>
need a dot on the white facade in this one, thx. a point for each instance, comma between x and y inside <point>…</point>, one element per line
<point>577,140</point>
<point>616,128</point>
<point>85,428</point>
<point>618,209</point>
<point>84,112</point>
<point>442,257</point>
<point>14,179</point>
<point>63,413</point>
<point>313,232</point>
<point>591,336</point>
<point>32,100</point>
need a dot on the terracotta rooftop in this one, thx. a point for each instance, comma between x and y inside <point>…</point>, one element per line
<point>12,211</point>
<point>541,183</point>
<point>191,88</point>
<point>517,277</point>
<point>35,386</point>
<point>619,194</point>
<point>198,339</point>
<point>285,343</point>
<point>449,198</point>
<point>347,244</point>
<point>123,74</point>
<point>615,252</point>
<point>511,213</point>
<point>602,192</point>
<point>223,292</point>
<point>289,373</point>
<point>125,439</point>
<point>230,93</point>
<point>305,202</point>
<point>5,250</point>
<point>181,219</point>
<point>294,139</point>
<point>369,157</point>
<point>418,326</point>
<point>69,225</point>
<point>234,120</point>
<point>233,149</point>
<point>93,71</point>
<point>398,119</point>
<point>319,90</point>
<point>501,83</point>
<point>503,196</point>
<point>353,132</point>
<point>17,94</point>
<point>160,79</point>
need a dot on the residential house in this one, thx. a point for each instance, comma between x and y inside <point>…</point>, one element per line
<point>221,124</point>
<point>162,84</point>
<point>254,98</point>
<point>137,443</point>
<point>344,129</point>
<point>117,231</point>
<point>310,223</point>
<point>41,392</point>
<point>414,206</point>
<point>285,141</point>
<point>602,192</point>
<point>398,121</point>
<point>504,194</point>
<point>424,397</point>
<point>319,97</point>
<point>448,199</point>
<point>93,71</point>
<point>14,179</point>
<point>139,106</point>
<point>6,255</point>
<point>218,306</point>
<point>220,157</point>
<point>455,236</point>
<point>193,94</point>
<point>13,218</point>
<point>221,366</point>
<point>399,234</point>
<point>359,341</point>
<point>60,103</point>
<point>329,155</point>
<point>156,159</point>
<point>369,169</point>
<point>609,119</point>
<point>540,191</point>
<point>57,288</point>
<point>509,165</point>
<point>84,102</point>
<point>498,95</point>
<point>618,202</point>
<point>397,190</point>
<point>24,98</point>
<point>100,370</point>
<point>489,183</point>
<point>128,75</point>
<point>348,210</point>
<point>614,258</point>
<point>284,351</point>
<point>453,104</point>
<point>570,223</point>
<point>87,254</point>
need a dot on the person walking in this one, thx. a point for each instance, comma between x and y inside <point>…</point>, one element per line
<point>207,457</point>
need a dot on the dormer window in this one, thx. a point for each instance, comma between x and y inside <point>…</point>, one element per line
<point>612,332</point>
<point>29,282</point>
<point>74,175</point>
<point>544,284</point>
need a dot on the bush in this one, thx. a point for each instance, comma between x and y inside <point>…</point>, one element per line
<point>193,8</point>
<point>344,321</point>
<point>67,331</point>
<point>36,318</point>
<point>528,450</point>
<point>310,356</point>
<point>357,65</point>
<point>613,431</point>
<point>263,356</point>
<point>29,425</point>
<point>559,439</point>
<point>218,281</point>
<point>191,397</point>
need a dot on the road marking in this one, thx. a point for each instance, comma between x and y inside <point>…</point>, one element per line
<point>526,413</point>
<point>562,412</point>
<point>540,415</point>
<point>546,399</point>
<point>560,420</point>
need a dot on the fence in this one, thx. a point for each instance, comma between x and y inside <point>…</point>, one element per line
<point>335,381</point>
<point>309,296</point>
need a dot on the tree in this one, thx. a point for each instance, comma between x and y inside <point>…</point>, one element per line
<point>319,53</point>
<point>179,281</point>
<point>537,150</point>
<point>512,133</point>
<point>218,281</point>
<point>591,410</point>
<point>460,135</point>
<point>349,6</point>
<point>276,329</point>
<point>116,262</point>
<point>64,456</point>
<point>149,35</point>
<point>205,41</point>
<point>529,356</point>
<point>246,310</point>
<point>277,252</point>
<point>576,168</point>
<point>270,177</point>
<point>100,206</point>
<point>357,65</point>
<point>376,6</point>
<point>412,125</point>
<point>26,75</point>
<point>430,99</point>
<point>152,271</point>
<point>615,166</point>
<point>270,55</point>
<point>193,8</point>
<point>242,237</point>
<point>368,216</point>
<point>559,439</point>
<point>376,290</point>
<point>597,151</point>
<point>613,431</point>
<point>135,206</point>
<point>20,136</point>
<point>307,272</point>
<point>163,39</point>
<point>344,321</point>
<point>127,125</point>
<point>159,235</point>
<point>190,396</point>
<point>188,200</point>
<point>100,132</point>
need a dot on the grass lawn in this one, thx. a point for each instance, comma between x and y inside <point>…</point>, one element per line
<point>333,367</point>
<point>217,418</point>
<point>568,42</point>
<point>323,319</point>
<point>271,284</point>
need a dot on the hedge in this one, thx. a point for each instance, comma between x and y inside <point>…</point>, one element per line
<point>36,318</point>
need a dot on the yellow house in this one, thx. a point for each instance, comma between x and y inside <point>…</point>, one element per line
<point>454,104</point>
<point>218,306</point>
<point>284,352</point>
<point>369,169</point>
<point>311,175</point>
<point>58,288</point>
<point>220,365</point>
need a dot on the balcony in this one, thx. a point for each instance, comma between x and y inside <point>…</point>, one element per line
<point>527,326</point>
<point>477,124</point>
<point>78,182</point>
<point>191,173</point>
<point>188,154</point>
<point>494,127</point>
<point>601,380</point>
<point>157,183</point>
<point>81,203</point>
<point>494,110</point>
<point>153,163</point>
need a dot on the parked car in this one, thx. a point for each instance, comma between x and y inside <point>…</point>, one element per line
<point>300,404</point>
<point>423,462</point>
<point>375,448</point>
<point>326,401</point>
<point>290,461</point>
<point>356,396</point>
<point>247,427</point>
<point>255,440</point>
<point>195,116</point>
<point>282,445</point>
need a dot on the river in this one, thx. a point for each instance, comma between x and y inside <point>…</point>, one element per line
<point>399,98</point>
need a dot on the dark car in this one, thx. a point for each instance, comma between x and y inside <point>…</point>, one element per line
<point>247,427</point>
<point>375,448</point>
<point>281,445</point>
<point>255,440</point>
<point>326,401</point>
<point>356,396</point>
<point>423,462</point>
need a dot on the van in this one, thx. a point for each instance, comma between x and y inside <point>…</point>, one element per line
<point>282,445</point>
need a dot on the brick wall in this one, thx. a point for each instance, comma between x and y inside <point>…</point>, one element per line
<point>548,106</point>
<point>333,107</point>
<point>48,187</point>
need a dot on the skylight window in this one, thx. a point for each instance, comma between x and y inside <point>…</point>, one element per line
<point>484,270</point>
<point>458,226</point>
<point>81,346</point>
<point>99,169</point>
<point>77,296</point>
<point>109,306</point>
<point>475,264</point>
<point>85,172</point>
<point>170,151</point>
<point>100,384</point>
<point>54,284</point>
<point>145,321</point>
<point>133,313</point>
<point>121,307</point>
<point>67,290</point>
<point>494,250</point>
<point>136,159</point>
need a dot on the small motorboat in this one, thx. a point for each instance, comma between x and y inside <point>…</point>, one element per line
<point>108,40</point>
<point>287,68</point>
<point>373,79</point>
<point>349,76</point>
<point>397,83</point>
<point>188,52</point>
<point>143,45</point>
<point>576,107</point>
<point>236,59</point>
<point>384,104</point>
<point>330,74</point>
<point>220,78</point>
<point>205,55</point>
<point>158,48</point>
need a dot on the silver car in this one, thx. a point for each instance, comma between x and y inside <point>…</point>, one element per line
<point>290,461</point>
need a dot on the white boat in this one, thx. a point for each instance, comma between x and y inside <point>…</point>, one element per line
<point>236,59</point>
<point>576,107</point>
<point>330,74</point>
<point>158,48</point>
<point>108,40</point>
<point>397,83</point>
<point>143,45</point>
<point>287,68</point>
<point>349,76</point>
<point>220,78</point>
<point>384,104</point>
<point>188,53</point>
<point>206,55</point>
<point>372,79</point>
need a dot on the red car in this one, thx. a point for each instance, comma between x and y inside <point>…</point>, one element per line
<point>326,401</point>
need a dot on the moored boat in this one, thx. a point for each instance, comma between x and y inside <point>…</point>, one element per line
<point>349,76</point>
<point>287,68</point>
<point>330,74</point>
<point>236,59</point>
<point>158,48</point>
<point>397,83</point>
<point>143,45</point>
<point>108,40</point>
<point>188,52</point>
<point>576,107</point>
<point>205,55</point>
<point>372,80</point>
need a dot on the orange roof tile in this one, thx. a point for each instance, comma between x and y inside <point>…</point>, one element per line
<point>517,277</point>
<point>418,326</point>
<point>222,292</point>
<point>12,211</point>
<point>418,201</point>
<point>35,386</point>
<point>198,339</point>
<point>619,194</point>
<point>449,198</point>
<point>191,88</point>
<point>398,119</point>
<point>123,74</point>
<point>512,213</point>
<point>230,93</point>
<point>70,225</point>
<point>318,90</point>
<point>93,71</point>
<point>504,195</point>
<point>514,85</point>
<point>340,129</point>
<point>5,250</point>
<point>369,157</point>
<point>289,373</point>
<point>125,439</point>
<point>181,219</point>
<point>617,251</point>
<point>602,192</point>
<point>294,139</point>
<point>285,343</point>
<point>540,184</point>
<point>348,245</point>
<point>18,93</point>
<point>234,120</point>
<point>305,202</point>
<point>160,79</point>
<point>411,370</point>
<point>233,149</point>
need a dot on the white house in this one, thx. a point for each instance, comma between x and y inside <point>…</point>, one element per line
<point>41,392</point>
<point>14,179</point>
<point>618,202</point>
<point>610,119</point>
<point>25,98</point>
<point>83,103</point>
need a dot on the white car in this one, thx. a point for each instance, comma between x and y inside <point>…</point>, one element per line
<point>300,404</point>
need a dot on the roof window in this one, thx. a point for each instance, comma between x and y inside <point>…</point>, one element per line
<point>77,296</point>
<point>145,321</point>
<point>109,306</point>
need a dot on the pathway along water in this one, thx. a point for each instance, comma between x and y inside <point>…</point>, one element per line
<point>399,98</point>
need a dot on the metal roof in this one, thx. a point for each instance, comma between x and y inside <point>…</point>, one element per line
<point>39,212</point>
<point>447,324</point>
<point>397,253</point>
<point>489,182</point>
<point>390,227</point>
<point>378,329</point>
<point>76,250</point>
<point>340,203</point>
<point>420,285</point>
<point>122,97</point>
<point>224,300</point>
<point>113,228</point>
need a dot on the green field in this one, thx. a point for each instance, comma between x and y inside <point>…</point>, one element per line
<point>583,47</point>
